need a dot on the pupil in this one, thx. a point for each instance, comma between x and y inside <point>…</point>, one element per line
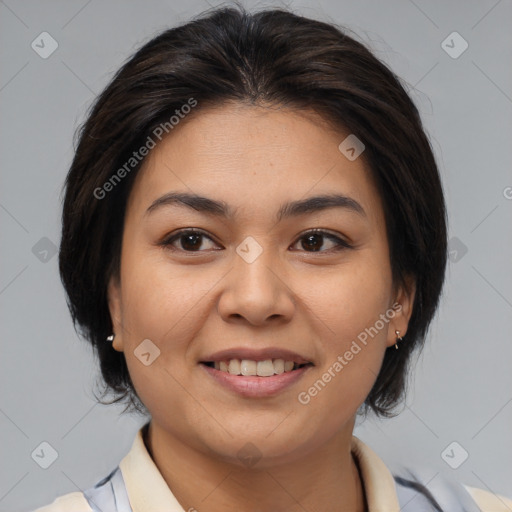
<point>193,241</point>
<point>311,239</point>
<point>194,244</point>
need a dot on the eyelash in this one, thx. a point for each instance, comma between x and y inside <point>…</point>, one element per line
<point>341,244</point>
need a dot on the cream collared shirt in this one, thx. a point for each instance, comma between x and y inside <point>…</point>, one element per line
<point>148,491</point>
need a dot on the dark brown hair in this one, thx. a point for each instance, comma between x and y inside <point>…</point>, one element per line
<point>271,57</point>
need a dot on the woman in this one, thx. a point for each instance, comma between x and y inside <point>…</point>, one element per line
<point>254,241</point>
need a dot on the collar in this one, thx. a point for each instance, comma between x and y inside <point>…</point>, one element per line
<point>148,491</point>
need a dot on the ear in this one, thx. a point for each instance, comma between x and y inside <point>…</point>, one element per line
<point>115,308</point>
<point>403,306</point>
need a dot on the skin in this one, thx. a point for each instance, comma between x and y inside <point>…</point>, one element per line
<point>194,303</point>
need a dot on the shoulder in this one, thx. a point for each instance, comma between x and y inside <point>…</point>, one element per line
<point>488,501</point>
<point>72,502</point>
<point>431,489</point>
<point>110,490</point>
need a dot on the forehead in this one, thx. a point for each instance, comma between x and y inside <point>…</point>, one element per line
<point>252,158</point>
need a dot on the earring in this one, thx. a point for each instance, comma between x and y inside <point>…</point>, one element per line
<point>111,338</point>
<point>398,338</point>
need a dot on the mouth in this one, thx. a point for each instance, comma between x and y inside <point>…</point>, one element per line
<point>256,373</point>
<point>251,368</point>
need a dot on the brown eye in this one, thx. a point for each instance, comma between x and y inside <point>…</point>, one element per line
<point>314,240</point>
<point>188,240</point>
<point>192,240</point>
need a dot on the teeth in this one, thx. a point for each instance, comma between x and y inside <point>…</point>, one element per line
<point>279,366</point>
<point>234,367</point>
<point>265,368</point>
<point>248,367</point>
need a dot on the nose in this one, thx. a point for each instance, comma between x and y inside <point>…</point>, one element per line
<point>257,291</point>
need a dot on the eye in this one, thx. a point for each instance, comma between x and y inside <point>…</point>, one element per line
<point>313,240</point>
<point>190,240</point>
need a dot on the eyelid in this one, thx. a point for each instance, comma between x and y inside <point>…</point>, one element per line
<point>168,239</point>
<point>341,242</point>
<point>324,231</point>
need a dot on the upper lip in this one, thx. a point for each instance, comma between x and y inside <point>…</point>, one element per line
<point>255,355</point>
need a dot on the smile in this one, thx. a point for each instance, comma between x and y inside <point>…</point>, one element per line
<point>248,367</point>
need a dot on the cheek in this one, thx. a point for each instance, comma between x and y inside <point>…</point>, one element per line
<point>354,313</point>
<point>158,311</point>
<point>161,300</point>
<point>166,304</point>
<point>350,299</point>
<point>351,362</point>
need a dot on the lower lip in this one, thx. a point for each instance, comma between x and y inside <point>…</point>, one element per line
<point>254,386</point>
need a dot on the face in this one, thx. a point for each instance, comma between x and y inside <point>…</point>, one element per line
<point>301,295</point>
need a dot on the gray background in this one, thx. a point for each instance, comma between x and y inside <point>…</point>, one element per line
<point>462,387</point>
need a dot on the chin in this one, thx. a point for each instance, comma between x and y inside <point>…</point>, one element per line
<point>253,450</point>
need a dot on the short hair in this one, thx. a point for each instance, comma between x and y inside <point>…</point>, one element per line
<point>271,57</point>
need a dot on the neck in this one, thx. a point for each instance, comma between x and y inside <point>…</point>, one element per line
<point>327,479</point>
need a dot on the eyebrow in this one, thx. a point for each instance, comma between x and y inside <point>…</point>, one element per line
<point>291,209</point>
